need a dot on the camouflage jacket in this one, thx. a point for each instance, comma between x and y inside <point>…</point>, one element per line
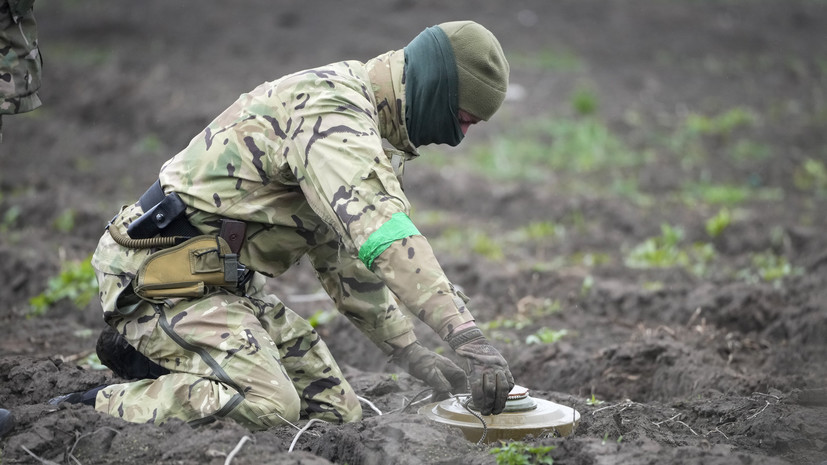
<point>20,61</point>
<point>301,160</point>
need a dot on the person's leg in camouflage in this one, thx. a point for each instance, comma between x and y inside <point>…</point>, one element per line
<point>222,364</point>
<point>324,392</point>
<point>224,345</point>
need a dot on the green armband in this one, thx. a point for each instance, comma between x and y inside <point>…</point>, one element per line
<point>398,227</point>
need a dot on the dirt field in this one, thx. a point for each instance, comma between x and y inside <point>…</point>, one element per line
<point>715,358</point>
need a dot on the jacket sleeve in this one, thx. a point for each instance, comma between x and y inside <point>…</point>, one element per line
<point>20,61</point>
<point>349,182</point>
<point>362,297</point>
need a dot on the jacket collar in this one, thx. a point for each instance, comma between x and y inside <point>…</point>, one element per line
<point>387,75</point>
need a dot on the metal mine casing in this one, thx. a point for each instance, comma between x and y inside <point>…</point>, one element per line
<point>523,415</point>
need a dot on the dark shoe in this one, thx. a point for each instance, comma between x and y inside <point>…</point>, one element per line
<point>115,352</point>
<point>6,422</point>
<point>81,397</point>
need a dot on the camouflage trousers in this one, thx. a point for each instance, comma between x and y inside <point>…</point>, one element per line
<point>248,358</point>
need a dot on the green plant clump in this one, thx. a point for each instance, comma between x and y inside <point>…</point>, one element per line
<point>539,230</point>
<point>665,251</point>
<point>10,218</point>
<point>520,453</point>
<point>76,282</point>
<point>546,335</point>
<point>811,176</point>
<point>723,124</point>
<point>584,102</point>
<point>593,401</point>
<point>769,267</point>
<point>580,145</point>
<point>65,222</point>
<point>322,317</point>
<point>718,223</point>
<point>462,241</point>
<point>660,251</point>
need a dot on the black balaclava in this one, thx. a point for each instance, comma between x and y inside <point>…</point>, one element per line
<point>432,90</point>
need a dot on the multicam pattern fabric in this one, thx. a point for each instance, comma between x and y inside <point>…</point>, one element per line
<point>248,358</point>
<point>19,57</point>
<point>301,161</point>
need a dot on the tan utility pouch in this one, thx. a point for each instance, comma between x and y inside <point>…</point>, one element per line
<point>187,269</point>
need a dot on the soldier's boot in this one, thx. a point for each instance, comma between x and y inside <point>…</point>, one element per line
<point>80,397</point>
<point>119,356</point>
<point>6,422</point>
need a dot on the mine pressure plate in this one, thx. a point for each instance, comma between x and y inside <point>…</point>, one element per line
<point>523,415</point>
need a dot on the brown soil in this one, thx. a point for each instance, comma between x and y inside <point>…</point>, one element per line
<point>712,369</point>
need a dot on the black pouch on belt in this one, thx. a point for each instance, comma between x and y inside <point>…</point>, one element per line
<point>165,217</point>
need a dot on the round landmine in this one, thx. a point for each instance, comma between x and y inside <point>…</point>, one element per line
<point>523,415</point>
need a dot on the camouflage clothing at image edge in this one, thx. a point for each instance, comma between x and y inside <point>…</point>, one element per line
<point>302,162</point>
<point>20,61</point>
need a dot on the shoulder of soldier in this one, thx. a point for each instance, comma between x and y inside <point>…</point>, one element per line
<point>339,76</point>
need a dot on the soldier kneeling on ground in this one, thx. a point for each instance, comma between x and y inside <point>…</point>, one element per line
<point>307,165</point>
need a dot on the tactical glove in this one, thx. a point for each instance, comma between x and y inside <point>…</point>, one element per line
<point>436,371</point>
<point>491,380</point>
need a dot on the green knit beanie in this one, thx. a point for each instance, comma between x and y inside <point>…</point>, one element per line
<point>481,67</point>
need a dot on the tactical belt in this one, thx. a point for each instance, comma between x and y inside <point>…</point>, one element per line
<point>164,224</point>
<point>189,262</point>
<point>164,215</point>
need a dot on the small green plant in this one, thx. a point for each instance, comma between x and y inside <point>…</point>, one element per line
<point>701,255</point>
<point>579,145</point>
<point>92,362</point>
<point>746,150</point>
<point>593,401</point>
<point>76,282</point>
<point>584,102</point>
<point>769,267</point>
<point>460,241</point>
<point>542,230</point>
<point>65,222</point>
<point>589,259</point>
<point>587,286</point>
<point>811,176</point>
<point>652,286</point>
<point>150,143</point>
<point>586,145</point>
<point>665,251</point>
<point>606,438</point>
<point>718,223</point>
<point>506,323</point>
<point>322,317</point>
<point>520,453</point>
<point>546,335</point>
<point>729,195</point>
<point>546,307</point>
<point>660,251</point>
<point>717,194</point>
<point>484,245</point>
<point>723,124</point>
<point>10,218</point>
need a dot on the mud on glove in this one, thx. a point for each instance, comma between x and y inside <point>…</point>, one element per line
<point>436,371</point>
<point>491,380</point>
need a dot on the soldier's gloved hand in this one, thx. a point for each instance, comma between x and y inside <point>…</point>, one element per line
<point>490,378</point>
<point>439,372</point>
